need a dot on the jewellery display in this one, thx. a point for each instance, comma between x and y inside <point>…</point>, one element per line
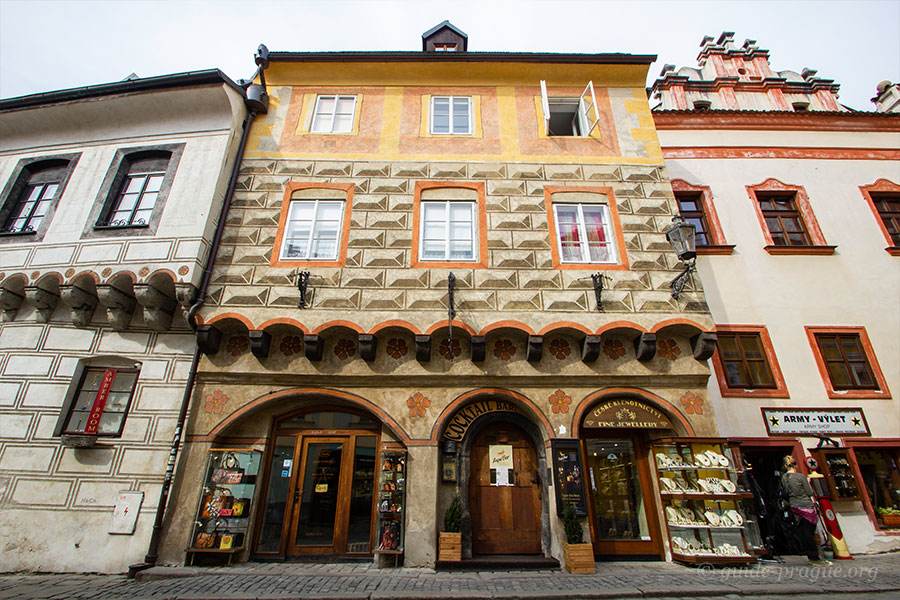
<point>225,501</point>
<point>703,496</point>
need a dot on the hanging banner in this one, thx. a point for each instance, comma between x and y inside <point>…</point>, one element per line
<point>815,421</point>
<point>627,413</point>
<point>93,422</point>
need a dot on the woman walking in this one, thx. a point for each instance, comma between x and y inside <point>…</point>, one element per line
<point>799,492</point>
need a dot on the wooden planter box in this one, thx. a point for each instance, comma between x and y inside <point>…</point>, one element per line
<point>890,520</point>
<point>450,547</point>
<point>579,558</point>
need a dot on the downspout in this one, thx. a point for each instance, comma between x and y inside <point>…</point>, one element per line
<point>256,100</point>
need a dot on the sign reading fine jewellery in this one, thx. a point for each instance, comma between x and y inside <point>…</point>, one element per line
<point>815,421</point>
<point>627,413</point>
<point>460,422</point>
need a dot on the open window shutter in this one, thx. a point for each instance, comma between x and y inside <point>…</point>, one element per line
<point>586,103</point>
<point>545,106</point>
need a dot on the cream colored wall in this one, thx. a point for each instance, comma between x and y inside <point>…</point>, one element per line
<point>857,286</point>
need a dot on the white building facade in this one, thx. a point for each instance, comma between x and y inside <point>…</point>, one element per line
<point>796,199</point>
<point>109,197</point>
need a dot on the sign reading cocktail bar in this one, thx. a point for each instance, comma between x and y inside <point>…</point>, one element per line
<point>459,423</point>
<point>626,413</point>
<point>815,421</point>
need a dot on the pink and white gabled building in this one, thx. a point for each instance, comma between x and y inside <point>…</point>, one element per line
<point>797,202</point>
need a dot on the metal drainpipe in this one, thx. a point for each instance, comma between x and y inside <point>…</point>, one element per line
<point>153,550</point>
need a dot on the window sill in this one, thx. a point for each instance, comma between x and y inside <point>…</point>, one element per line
<point>17,233</point>
<point>749,393</point>
<point>715,249</point>
<point>893,250</point>
<point>117,227</point>
<point>74,440</point>
<point>443,264</point>
<point>800,250</point>
<point>858,394</point>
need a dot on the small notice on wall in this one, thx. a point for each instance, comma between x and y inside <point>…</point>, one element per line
<point>501,457</point>
<point>125,514</point>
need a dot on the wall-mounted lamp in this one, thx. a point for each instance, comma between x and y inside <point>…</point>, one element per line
<point>449,450</point>
<point>682,236</point>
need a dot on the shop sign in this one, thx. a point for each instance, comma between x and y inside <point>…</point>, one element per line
<point>459,424</point>
<point>100,402</point>
<point>567,476</point>
<point>626,413</point>
<point>815,421</point>
<point>501,456</point>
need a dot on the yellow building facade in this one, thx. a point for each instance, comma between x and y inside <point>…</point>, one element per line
<point>440,216</point>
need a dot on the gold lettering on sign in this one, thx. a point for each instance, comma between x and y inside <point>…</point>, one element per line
<point>627,414</point>
<point>460,422</point>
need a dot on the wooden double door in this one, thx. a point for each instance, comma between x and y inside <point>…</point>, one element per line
<point>320,498</point>
<point>505,507</point>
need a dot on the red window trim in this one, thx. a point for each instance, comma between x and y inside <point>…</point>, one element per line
<point>881,185</point>
<point>882,391</point>
<point>779,391</point>
<point>869,443</point>
<point>818,247</point>
<point>719,245</point>
<point>482,262</point>
<point>615,224</point>
<point>292,187</point>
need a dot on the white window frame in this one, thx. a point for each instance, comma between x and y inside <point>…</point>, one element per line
<point>582,234</point>
<point>450,100</point>
<point>313,230</point>
<point>586,102</point>
<point>473,206</point>
<point>316,112</point>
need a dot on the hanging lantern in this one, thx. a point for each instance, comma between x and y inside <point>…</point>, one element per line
<point>682,237</point>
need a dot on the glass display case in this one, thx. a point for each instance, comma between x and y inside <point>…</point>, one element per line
<point>228,494</point>
<point>391,502</point>
<point>704,501</point>
<point>835,465</point>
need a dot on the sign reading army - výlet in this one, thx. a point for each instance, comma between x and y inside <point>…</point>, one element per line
<point>815,421</point>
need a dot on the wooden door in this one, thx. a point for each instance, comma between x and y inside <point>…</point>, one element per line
<point>622,503</point>
<point>506,519</point>
<point>318,524</point>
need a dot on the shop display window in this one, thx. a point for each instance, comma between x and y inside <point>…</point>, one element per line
<point>226,499</point>
<point>391,502</point>
<point>835,465</point>
<point>880,472</point>
<point>705,502</point>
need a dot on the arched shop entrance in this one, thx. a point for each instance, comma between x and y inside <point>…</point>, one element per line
<point>622,509</point>
<point>501,479</point>
<point>318,488</point>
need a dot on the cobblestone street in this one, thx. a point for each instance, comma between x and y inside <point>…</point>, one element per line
<point>869,577</point>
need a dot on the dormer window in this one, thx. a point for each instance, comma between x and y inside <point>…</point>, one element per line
<point>702,105</point>
<point>444,37</point>
<point>800,106</point>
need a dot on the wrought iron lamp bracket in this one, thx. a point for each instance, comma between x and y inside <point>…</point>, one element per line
<point>302,281</point>
<point>679,282</point>
<point>597,279</point>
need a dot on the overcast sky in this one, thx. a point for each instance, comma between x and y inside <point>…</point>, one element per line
<point>58,44</point>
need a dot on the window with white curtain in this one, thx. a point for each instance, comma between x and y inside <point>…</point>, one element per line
<point>584,233</point>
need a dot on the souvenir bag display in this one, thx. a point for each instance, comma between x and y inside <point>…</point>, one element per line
<point>230,470</point>
<point>215,501</point>
<point>209,536</point>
